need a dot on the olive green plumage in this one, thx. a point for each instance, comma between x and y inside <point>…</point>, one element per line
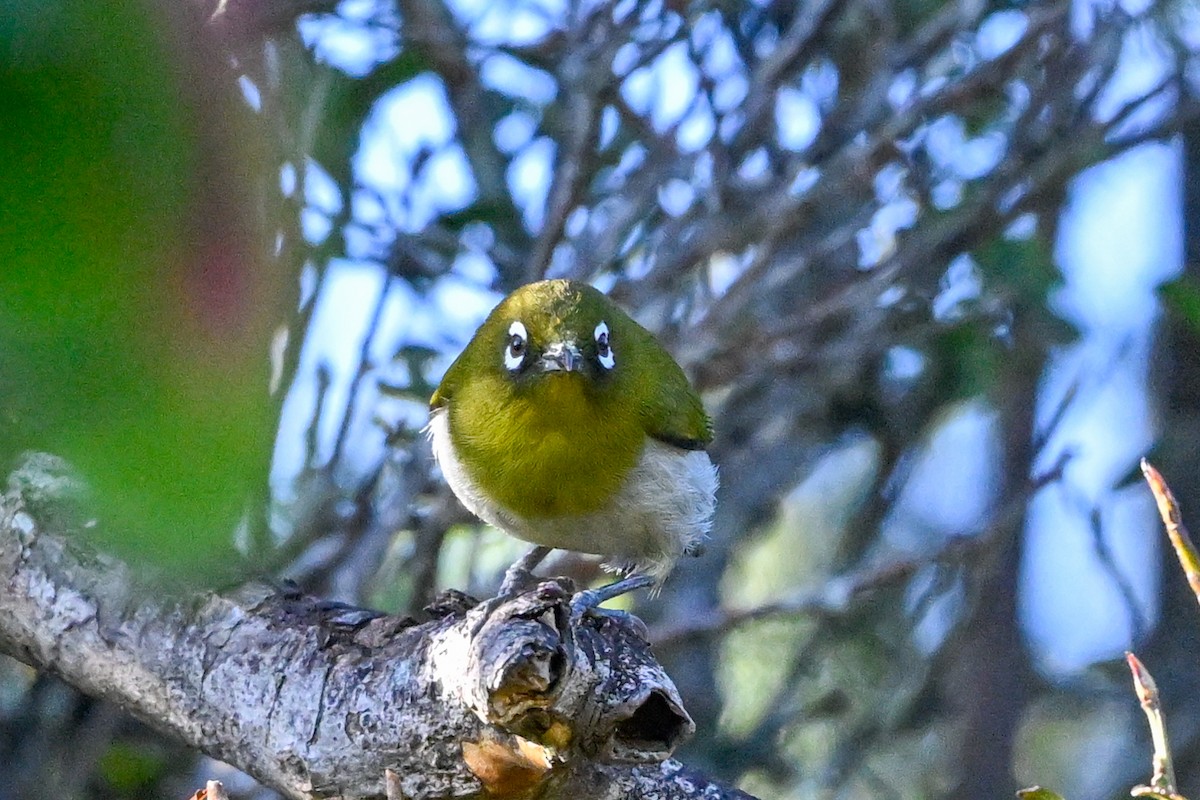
<point>565,423</point>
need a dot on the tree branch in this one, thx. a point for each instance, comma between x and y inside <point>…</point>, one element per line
<point>314,698</point>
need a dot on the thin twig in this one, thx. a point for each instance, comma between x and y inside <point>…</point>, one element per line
<point>1108,562</point>
<point>364,367</point>
<point>794,47</point>
<point>571,175</point>
<point>1162,782</point>
<point>1042,436</point>
<point>1168,509</point>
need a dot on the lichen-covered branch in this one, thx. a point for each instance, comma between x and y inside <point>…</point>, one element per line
<point>505,698</point>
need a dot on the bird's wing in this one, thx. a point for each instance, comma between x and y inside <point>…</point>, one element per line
<point>674,413</point>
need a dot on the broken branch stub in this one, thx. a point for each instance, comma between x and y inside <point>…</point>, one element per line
<point>592,689</point>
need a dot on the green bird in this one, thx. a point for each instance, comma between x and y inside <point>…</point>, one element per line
<point>566,424</point>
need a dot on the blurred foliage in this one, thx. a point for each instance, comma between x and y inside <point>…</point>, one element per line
<point>1038,793</point>
<point>133,331</point>
<point>131,771</point>
<point>1182,298</point>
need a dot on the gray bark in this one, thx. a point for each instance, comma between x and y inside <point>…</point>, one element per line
<point>512,698</point>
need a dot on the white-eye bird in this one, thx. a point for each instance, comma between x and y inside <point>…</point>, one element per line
<point>566,424</point>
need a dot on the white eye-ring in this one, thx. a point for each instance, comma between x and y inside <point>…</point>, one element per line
<point>514,351</point>
<point>604,352</point>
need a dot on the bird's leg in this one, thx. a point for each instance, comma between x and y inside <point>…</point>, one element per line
<point>520,574</point>
<point>516,578</point>
<point>590,599</point>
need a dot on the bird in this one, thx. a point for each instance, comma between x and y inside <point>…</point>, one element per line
<point>566,424</point>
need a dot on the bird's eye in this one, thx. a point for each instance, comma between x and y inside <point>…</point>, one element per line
<point>604,351</point>
<point>514,353</point>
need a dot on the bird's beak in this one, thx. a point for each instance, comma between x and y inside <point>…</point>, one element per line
<point>561,356</point>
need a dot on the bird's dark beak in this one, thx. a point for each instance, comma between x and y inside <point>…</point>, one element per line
<point>561,357</point>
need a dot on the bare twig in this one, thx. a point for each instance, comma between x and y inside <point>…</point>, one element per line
<point>363,368</point>
<point>585,79</point>
<point>1168,509</point>
<point>430,29</point>
<point>795,46</point>
<point>1162,782</point>
<point>1108,562</point>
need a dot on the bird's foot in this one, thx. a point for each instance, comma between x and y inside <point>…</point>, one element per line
<point>520,575</point>
<point>588,601</point>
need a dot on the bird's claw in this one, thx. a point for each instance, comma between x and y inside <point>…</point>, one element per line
<point>520,575</point>
<point>515,580</point>
<point>589,600</point>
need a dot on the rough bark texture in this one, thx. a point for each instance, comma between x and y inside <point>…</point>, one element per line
<point>507,698</point>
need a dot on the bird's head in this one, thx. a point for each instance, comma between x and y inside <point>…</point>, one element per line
<point>557,342</point>
<point>559,355</point>
<point>553,329</point>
